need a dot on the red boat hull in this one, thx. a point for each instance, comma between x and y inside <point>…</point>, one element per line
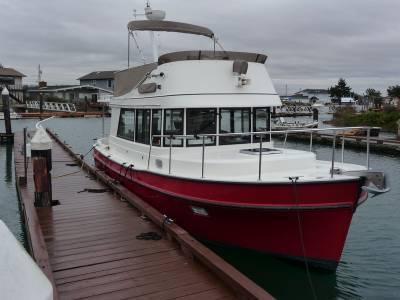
<point>292,220</point>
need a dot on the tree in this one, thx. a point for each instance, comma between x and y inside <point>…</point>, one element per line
<point>374,96</point>
<point>394,91</point>
<point>341,89</point>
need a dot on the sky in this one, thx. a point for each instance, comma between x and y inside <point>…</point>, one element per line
<point>309,43</point>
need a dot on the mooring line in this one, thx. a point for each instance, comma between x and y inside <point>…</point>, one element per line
<point>299,222</point>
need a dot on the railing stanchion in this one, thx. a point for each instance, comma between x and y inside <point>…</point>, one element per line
<point>333,154</point>
<point>259,159</point>
<point>368,141</point>
<point>148,160</point>
<point>170,153</point>
<point>343,147</point>
<point>202,157</point>
<point>311,141</point>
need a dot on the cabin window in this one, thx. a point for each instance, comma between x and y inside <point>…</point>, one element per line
<point>201,121</point>
<point>156,126</point>
<point>261,122</point>
<point>126,125</point>
<point>234,120</point>
<point>143,126</point>
<point>173,125</point>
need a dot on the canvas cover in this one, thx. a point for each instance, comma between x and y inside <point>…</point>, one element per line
<point>150,25</point>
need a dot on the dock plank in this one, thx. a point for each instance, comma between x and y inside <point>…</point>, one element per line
<point>92,250</point>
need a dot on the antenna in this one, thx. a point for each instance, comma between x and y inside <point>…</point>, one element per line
<point>39,75</point>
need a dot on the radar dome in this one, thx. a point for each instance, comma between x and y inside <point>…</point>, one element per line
<point>154,15</point>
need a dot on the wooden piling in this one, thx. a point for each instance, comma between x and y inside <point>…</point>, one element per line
<point>41,161</point>
<point>5,96</point>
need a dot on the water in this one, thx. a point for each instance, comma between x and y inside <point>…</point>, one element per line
<point>370,266</point>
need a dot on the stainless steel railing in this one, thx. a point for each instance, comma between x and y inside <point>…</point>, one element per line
<point>260,134</point>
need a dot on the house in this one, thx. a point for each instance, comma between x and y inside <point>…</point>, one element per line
<point>347,101</point>
<point>67,93</point>
<point>12,79</point>
<point>314,95</point>
<point>101,79</point>
<point>391,101</point>
<point>296,98</point>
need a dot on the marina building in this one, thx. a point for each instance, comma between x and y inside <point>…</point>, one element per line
<point>101,79</point>
<point>12,79</point>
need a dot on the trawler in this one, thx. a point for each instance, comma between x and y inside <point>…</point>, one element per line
<point>191,135</point>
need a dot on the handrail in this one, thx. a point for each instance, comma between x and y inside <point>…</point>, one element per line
<point>261,134</point>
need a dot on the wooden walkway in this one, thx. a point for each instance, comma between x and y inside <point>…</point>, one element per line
<point>88,246</point>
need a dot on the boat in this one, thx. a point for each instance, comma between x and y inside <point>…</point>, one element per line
<point>282,124</point>
<point>190,135</point>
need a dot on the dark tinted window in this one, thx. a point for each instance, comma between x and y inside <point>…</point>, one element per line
<point>201,121</point>
<point>261,122</point>
<point>142,126</point>
<point>234,120</point>
<point>126,125</point>
<point>156,126</point>
<point>173,125</point>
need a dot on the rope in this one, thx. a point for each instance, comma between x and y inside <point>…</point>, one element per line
<point>75,172</point>
<point>299,221</point>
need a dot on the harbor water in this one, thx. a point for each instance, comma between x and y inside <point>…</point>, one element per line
<point>370,265</point>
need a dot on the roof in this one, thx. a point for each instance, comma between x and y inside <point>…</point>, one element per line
<point>211,55</point>
<point>314,91</point>
<point>60,88</point>
<point>99,75</point>
<point>10,72</point>
<point>155,25</point>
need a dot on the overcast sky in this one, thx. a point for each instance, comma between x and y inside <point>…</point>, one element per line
<point>309,43</point>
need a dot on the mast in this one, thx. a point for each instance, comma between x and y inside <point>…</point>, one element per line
<point>155,15</point>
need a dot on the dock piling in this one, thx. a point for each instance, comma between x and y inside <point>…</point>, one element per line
<point>5,96</point>
<point>41,145</point>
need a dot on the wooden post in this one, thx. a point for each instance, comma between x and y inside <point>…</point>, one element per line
<point>40,105</point>
<point>23,180</point>
<point>41,145</point>
<point>398,128</point>
<point>5,95</point>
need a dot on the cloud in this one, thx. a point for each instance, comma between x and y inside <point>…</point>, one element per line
<point>310,44</point>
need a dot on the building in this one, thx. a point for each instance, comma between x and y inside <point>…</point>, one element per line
<point>12,79</point>
<point>78,94</point>
<point>313,96</point>
<point>347,101</point>
<point>101,79</point>
<point>296,99</point>
<point>391,101</point>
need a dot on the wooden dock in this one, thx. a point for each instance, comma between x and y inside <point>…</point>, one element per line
<point>88,245</point>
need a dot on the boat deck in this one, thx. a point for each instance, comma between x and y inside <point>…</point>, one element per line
<point>88,246</point>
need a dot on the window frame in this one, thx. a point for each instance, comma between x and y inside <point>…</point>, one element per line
<point>123,110</point>
<point>227,137</point>
<point>216,126</point>
<point>151,127</point>
<point>137,124</point>
<point>164,126</point>
<point>266,137</point>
